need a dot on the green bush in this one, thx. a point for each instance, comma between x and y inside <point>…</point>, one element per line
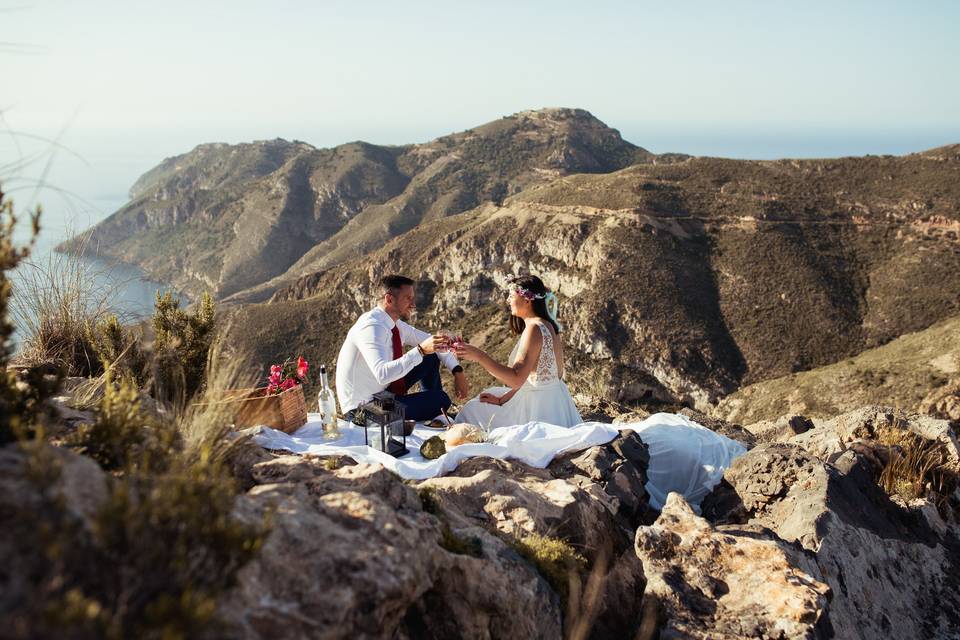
<point>181,347</point>
<point>21,400</point>
<point>123,437</point>
<point>119,348</point>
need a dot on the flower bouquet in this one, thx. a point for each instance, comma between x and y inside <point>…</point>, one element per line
<point>284,377</point>
<point>279,405</point>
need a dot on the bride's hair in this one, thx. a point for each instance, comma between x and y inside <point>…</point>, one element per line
<point>534,285</point>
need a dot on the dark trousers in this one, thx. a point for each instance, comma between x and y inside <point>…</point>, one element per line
<point>426,404</point>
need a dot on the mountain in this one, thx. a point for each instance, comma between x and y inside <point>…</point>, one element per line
<point>681,279</point>
<point>242,215</point>
<point>680,282</point>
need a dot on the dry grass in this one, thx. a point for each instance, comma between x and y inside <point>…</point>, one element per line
<point>59,305</point>
<point>914,467</point>
<point>206,426</point>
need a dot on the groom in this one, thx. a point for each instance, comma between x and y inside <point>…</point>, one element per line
<point>372,357</point>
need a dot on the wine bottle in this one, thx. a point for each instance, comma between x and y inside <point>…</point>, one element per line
<point>327,405</point>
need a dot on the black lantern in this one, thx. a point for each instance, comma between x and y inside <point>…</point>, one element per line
<point>383,424</point>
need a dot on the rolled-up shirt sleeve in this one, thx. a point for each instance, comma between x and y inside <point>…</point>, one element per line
<point>412,336</point>
<point>373,343</point>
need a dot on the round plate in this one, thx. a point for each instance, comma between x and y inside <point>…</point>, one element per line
<point>427,425</point>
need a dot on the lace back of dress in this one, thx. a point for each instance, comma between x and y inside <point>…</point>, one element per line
<point>546,370</point>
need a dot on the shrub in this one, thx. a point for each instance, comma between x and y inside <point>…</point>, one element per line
<point>118,348</point>
<point>21,401</point>
<point>159,552</point>
<point>181,347</point>
<point>156,555</point>
<point>122,437</point>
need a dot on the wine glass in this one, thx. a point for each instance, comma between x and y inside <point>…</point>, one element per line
<point>450,337</point>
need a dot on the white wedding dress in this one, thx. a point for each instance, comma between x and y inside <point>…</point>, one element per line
<point>544,397</point>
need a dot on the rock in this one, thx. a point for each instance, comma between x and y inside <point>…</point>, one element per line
<point>338,562</point>
<point>892,574</point>
<point>77,482</point>
<point>467,600</point>
<point>48,500</point>
<point>944,402</point>
<point>517,501</point>
<point>830,438</point>
<point>781,429</point>
<point>351,553</point>
<point>620,468</point>
<point>728,582</point>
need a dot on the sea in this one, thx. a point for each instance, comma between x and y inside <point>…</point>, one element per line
<point>126,289</point>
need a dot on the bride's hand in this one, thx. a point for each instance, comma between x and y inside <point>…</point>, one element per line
<point>465,351</point>
<point>490,398</point>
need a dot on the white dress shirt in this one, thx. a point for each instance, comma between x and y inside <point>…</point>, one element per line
<point>366,365</point>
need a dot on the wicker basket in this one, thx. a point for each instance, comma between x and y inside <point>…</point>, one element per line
<point>286,411</point>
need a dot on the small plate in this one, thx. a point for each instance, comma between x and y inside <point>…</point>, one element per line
<point>440,427</point>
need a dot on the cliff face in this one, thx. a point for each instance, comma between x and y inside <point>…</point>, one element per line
<point>229,218</point>
<point>681,282</point>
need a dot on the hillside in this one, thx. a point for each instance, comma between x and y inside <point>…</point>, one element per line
<point>679,282</point>
<point>900,373</point>
<point>241,215</point>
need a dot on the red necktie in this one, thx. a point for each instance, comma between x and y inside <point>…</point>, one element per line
<point>397,387</point>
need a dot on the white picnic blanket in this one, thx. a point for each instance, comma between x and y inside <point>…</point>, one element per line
<point>684,456</point>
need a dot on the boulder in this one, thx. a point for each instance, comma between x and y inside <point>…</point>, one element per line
<point>588,499</point>
<point>781,429</point>
<point>619,467</point>
<point>830,438</point>
<point>892,574</point>
<point>728,581</point>
<point>351,553</point>
<point>943,402</point>
<point>47,496</point>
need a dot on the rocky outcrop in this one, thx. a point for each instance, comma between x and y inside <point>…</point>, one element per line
<point>354,551</point>
<point>729,581</point>
<point>48,496</point>
<point>832,437</point>
<point>943,402</point>
<point>890,572</point>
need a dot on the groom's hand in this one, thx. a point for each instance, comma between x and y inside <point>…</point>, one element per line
<point>430,344</point>
<point>461,385</point>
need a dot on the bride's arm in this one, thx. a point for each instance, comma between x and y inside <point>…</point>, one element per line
<point>512,376</point>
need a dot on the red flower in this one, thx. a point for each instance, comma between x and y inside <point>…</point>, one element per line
<point>302,368</point>
<point>289,383</point>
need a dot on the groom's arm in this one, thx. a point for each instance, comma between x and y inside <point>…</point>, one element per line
<point>372,341</point>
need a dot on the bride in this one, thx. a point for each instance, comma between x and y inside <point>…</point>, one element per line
<point>535,389</point>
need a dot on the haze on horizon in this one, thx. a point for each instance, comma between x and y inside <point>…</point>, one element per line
<point>124,85</point>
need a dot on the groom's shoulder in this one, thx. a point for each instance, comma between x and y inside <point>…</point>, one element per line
<point>366,319</point>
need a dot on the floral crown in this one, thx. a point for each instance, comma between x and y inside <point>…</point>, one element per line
<point>529,295</point>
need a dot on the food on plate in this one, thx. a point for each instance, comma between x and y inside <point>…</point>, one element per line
<point>463,434</point>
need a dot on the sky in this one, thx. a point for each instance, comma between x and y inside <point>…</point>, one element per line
<point>118,86</point>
